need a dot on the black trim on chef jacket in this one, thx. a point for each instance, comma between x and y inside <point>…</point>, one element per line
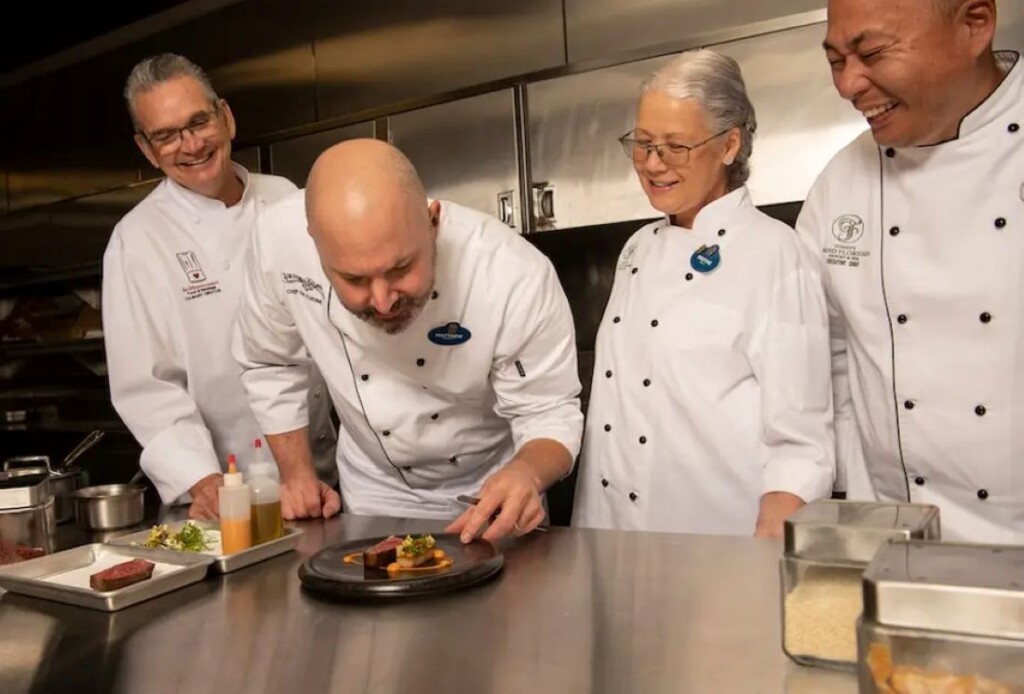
<point>359,396</point>
<point>888,314</point>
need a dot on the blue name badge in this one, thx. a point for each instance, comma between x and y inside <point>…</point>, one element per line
<point>449,335</point>
<point>705,258</point>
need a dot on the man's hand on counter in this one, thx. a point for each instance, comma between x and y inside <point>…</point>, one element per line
<point>511,493</point>
<point>775,508</point>
<point>305,496</point>
<point>205,502</point>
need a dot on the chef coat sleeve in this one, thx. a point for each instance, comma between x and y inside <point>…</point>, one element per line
<point>811,229</point>
<point>147,373</point>
<point>790,359</point>
<point>266,343</point>
<point>534,373</point>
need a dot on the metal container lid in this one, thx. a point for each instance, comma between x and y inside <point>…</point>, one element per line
<point>851,532</point>
<point>24,489</point>
<point>949,587</point>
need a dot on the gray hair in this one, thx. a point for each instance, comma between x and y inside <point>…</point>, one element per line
<point>716,83</point>
<point>161,68</point>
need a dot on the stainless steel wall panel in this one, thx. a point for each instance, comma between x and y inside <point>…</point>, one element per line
<point>371,55</point>
<point>465,151</point>
<point>606,28</point>
<point>294,158</point>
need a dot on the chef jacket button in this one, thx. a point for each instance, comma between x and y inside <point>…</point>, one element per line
<point>689,276</point>
<point>986,317</point>
<point>982,494</point>
<point>608,374</point>
<point>1000,222</point>
<point>647,382</point>
<point>433,295</point>
<point>980,410</point>
<point>1013,127</point>
<point>386,432</point>
<point>902,318</point>
<point>890,152</point>
<point>407,468</point>
<point>721,232</point>
<point>435,416</point>
<point>909,404</point>
<point>632,496</point>
<point>655,232</point>
<point>365,377</point>
<point>604,482</point>
<point>636,270</point>
<point>322,437</point>
<point>607,427</point>
<point>453,460</point>
<point>643,440</point>
<point>317,393</point>
<point>919,481</point>
<point>616,319</point>
<point>421,362</point>
<point>654,323</point>
<point>895,231</point>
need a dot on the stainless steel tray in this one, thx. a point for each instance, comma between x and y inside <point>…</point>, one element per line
<point>64,576</point>
<point>224,563</point>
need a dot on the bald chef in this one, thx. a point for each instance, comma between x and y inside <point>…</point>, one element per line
<point>445,338</point>
<point>919,227</point>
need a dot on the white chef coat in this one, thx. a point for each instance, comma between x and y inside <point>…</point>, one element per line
<point>172,281</point>
<point>710,389</point>
<point>922,250</point>
<point>422,422</point>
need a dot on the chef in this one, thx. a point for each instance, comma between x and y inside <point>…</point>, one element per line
<point>711,408</point>
<point>918,226</point>
<point>172,279</point>
<point>446,340</point>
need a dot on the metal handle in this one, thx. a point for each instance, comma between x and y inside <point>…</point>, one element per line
<point>507,208</point>
<point>91,440</point>
<point>544,205</point>
<point>27,461</point>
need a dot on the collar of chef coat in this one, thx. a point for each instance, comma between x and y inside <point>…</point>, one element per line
<point>202,204</point>
<point>995,108</point>
<point>715,215</point>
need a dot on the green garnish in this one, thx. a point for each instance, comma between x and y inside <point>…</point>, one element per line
<point>190,538</point>
<point>413,547</point>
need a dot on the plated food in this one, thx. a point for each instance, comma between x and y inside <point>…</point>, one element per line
<point>396,557</point>
<point>122,575</point>
<point>191,538</point>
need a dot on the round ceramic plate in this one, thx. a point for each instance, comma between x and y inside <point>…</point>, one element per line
<point>328,573</point>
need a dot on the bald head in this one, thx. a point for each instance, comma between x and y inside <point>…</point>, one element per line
<point>374,232</point>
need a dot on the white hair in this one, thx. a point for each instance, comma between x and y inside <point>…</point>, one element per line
<point>161,68</point>
<point>716,83</point>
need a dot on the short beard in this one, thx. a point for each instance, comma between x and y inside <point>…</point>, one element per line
<point>412,308</point>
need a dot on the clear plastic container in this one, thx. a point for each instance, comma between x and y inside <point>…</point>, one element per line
<point>235,511</point>
<point>265,493</point>
<point>943,618</point>
<point>828,545</point>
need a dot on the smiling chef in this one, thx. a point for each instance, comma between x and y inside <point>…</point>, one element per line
<point>918,226</point>
<point>445,338</point>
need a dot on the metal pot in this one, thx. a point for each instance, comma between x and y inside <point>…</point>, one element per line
<point>109,506</point>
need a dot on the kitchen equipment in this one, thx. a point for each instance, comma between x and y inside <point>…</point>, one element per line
<point>27,518</point>
<point>828,544</point>
<point>223,563</point>
<point>109,506</point>
<point>337,572</point>
<point>65,478</point>
<point>943,614</point>
<point>64,577</point>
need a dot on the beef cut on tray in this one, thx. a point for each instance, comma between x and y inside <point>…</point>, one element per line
<point>121,575</point>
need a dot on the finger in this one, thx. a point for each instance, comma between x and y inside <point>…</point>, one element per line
<point>211,507</point>
<point>311,499</point>
<point>511,509</point>
<point>459,523</point>
<point>289,510</point>
<point>531,517</point>
<point>331,499</point>
<point>479,515</point>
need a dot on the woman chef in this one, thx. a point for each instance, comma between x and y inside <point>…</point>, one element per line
<point>711,403</point>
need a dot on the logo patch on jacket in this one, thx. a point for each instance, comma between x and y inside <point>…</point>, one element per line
<point>198,286</point>
<point>449,334</point>
<point>848,231</point>
<point>304,287</point>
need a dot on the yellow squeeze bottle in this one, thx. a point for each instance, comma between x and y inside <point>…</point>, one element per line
<point>267,523</point>
<point>235,511</point>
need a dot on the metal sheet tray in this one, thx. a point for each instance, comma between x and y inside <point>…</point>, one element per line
<point>64,576</point>
<point>224,563</point>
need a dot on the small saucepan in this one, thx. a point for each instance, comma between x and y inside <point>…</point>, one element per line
<point>109,506</point>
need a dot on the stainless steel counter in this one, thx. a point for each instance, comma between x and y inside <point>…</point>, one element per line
<point>573,611</point>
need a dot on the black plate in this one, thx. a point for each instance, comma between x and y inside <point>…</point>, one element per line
<point>327,573</point>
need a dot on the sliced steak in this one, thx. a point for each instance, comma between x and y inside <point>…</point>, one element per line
<point>25,553</point>
<point>121,575</point>
<point>382,553</point>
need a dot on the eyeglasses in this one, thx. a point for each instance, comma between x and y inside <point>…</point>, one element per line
<point>670,153</point>
<point>203,124</point>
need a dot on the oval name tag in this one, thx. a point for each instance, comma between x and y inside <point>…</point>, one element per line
<point>705,258</point>
<point>449,334</point>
